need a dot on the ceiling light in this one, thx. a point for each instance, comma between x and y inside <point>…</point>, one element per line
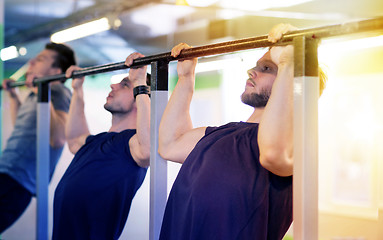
<point>23,51</point>
<point>9,53</point>
<point>81,31</point>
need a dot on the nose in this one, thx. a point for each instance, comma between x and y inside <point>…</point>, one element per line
<point>115,86</point>
<point>32,61</point>
<point>251,73</point>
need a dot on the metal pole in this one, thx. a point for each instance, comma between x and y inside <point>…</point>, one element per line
<point>305,183</point>
<point>42,163</point>
<point>228,47</point>
<point>158,166</point>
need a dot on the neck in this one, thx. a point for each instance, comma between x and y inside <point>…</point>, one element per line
<point>121,122</point>
<point>256,115</point>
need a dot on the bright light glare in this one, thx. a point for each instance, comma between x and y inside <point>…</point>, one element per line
<point>201,3</point>
<point>165,20</point>
<point>23,51</point>
<point>9,53</point>
<point>357,44</point>
<point>81,31</point>
<point>251,5</point>
<point>118,77</point>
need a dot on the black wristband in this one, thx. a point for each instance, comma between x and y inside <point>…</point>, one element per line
<point>142,89</point>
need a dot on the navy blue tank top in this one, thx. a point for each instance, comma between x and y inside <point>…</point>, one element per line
<point>223,192</point>
<point>93,198</point>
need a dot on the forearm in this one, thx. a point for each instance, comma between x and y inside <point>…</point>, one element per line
<point>140,142</point>
<point>275,135</point>
<point>57,127</point>
<point>14,105</point>
<point>176,119</point>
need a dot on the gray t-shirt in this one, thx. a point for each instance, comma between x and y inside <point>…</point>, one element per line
<point>19,156</point>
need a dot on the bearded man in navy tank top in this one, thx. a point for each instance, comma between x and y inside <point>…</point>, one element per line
<point>236,180</point>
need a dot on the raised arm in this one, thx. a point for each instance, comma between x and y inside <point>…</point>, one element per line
<point>139,144</point>
<point>177,137</point>
<point>14,101</point>
<point>76,129</point>
<point>57,126</point>
<point>275,136</point>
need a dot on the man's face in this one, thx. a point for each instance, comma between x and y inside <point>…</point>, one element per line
<point>41,65</point>
<point>120,99</point>
<point>261,79</point>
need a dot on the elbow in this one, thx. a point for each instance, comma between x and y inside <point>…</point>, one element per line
<point>278,162</point>
<point>57,143</point>
<point>142,156</point>
<point>162,151</point>
<point>169,154</point>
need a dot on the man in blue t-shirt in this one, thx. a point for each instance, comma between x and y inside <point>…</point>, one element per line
<point>93,198</point>
<point>236,180</point>
<point>18,160</point>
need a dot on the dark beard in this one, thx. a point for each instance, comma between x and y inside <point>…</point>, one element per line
<point>116,111</point>
<point>256,100</point>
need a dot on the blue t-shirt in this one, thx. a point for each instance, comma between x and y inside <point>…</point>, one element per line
<point>18,159</point>
<point>93,198</point>
<point>222,192</point>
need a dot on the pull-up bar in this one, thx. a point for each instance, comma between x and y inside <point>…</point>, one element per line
<point>225,47</point>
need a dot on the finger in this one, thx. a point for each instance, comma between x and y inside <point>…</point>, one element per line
<point>129,60</point>
<point>278,30</point>
<point>68,72</point>
<point>177,49</point>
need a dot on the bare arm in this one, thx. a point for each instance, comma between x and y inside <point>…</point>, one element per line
<point>57,127</point>
<point>177,137</point>
<point>76,129</point>
<point>139,144</point>
<point>14,101</point>
<point>275,135</point>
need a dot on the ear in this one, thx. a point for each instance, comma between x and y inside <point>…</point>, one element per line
<point>55,71</point>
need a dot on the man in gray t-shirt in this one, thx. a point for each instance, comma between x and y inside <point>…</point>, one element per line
<point>18,160</point>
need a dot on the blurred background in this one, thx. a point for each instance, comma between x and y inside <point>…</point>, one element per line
<point>156,26</point>
<point>350,113</point>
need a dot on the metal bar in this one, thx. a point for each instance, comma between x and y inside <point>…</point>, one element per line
<point>42,163</point>
<point>228,47</point>
<point>158,166</point>
<point>305,183</point>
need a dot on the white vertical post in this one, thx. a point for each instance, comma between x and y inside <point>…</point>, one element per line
<point>42,168</point>
<point>158,166</point>
<point>305,183</point>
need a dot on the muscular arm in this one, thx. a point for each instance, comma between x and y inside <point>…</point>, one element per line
<point>76,129</point>
<point>177,137</point>
<point>139,144</point>
<point>57,127</point>
<point>275,135</point>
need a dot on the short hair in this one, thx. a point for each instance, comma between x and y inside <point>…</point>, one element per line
<point>322,80</point>
<point>65,55</point>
